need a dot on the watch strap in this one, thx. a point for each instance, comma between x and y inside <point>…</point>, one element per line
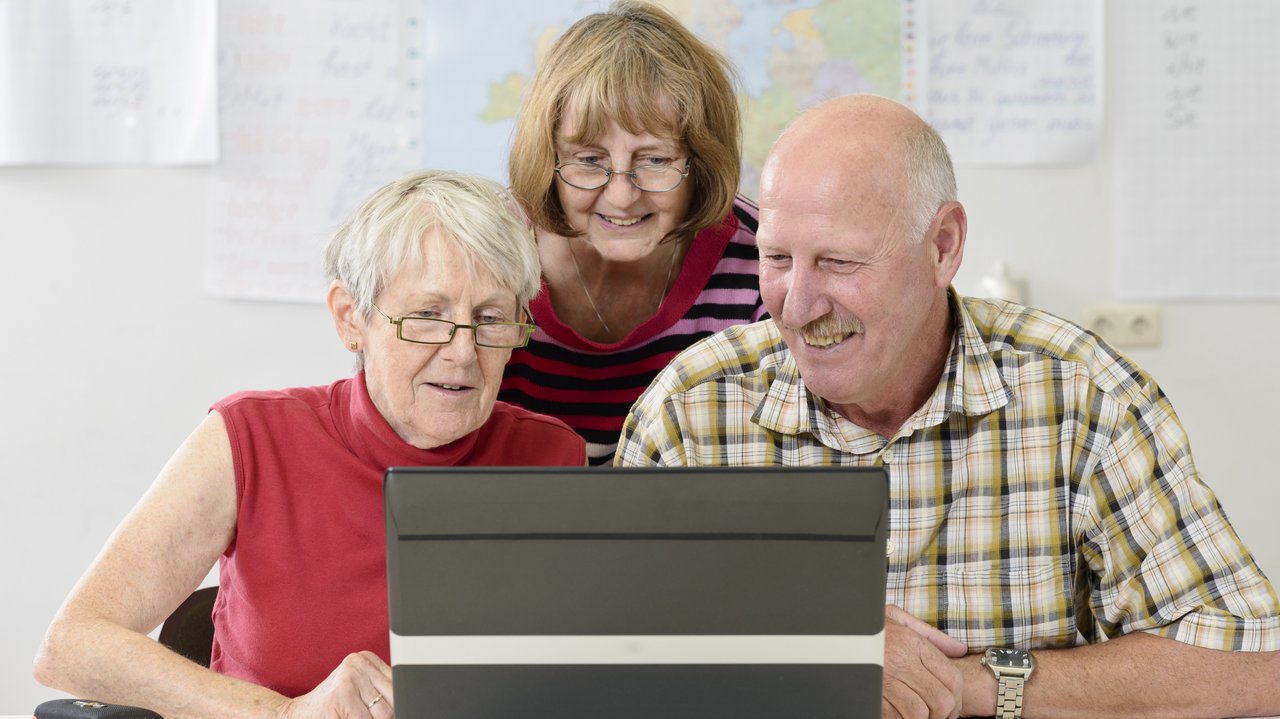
<point>1009,698</point>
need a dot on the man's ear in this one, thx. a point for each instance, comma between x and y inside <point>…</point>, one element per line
<point>946,237</point>
<point>346,319</point>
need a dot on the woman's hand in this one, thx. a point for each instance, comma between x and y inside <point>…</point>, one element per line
<point>359,688</point>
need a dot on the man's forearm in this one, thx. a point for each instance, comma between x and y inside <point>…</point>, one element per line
<point>1137,675</point>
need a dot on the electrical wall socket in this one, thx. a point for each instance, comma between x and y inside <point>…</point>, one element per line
<point>1125,325</point>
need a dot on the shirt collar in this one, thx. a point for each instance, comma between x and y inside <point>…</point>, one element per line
<point>971,383</point>
<point>789,408</point>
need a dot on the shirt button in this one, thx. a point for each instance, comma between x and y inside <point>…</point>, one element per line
<point>888,548</point>
<point>887,456</point>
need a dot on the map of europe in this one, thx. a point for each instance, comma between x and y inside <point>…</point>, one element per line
<point>789,54</point>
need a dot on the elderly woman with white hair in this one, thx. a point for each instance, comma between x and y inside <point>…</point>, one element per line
<point>432,278</point>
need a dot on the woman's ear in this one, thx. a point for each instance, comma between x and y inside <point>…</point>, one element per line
<point>346,320</point>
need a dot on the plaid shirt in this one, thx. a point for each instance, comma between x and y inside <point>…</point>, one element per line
<point>1043,496</point>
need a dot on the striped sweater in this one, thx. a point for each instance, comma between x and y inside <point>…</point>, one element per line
<point>589,385</point>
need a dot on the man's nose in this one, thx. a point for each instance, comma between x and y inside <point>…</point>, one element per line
<point>806,298</point>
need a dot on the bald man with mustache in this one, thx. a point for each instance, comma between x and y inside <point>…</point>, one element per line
<point>1043,496</point>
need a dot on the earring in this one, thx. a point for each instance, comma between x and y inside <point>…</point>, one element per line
<point>353,345</point>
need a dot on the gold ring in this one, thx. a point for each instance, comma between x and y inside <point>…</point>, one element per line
<point>375,701</point>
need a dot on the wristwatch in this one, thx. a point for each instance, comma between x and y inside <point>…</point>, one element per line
<point>1012,668</point>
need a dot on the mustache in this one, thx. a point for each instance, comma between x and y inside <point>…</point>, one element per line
<point>829,325</point>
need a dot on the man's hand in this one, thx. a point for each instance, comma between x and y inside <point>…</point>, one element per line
<point>919,678</point>
<point>358,689</point>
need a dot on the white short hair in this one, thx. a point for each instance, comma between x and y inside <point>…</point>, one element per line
<point>931,179</point>
<point>387,232</point>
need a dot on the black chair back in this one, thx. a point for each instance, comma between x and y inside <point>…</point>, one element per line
<point>189,629</point>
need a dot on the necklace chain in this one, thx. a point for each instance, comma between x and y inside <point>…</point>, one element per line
<point>666,285</point>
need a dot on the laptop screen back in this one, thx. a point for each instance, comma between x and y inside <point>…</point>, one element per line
<point>590,592</point>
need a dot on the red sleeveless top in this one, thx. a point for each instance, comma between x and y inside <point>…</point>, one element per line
<point>304,582</point>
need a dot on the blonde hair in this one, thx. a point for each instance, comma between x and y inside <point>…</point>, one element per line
<point>638,66</point>
<point>388,231</point>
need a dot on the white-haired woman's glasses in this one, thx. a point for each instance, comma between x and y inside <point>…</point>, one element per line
<point>432,331</point>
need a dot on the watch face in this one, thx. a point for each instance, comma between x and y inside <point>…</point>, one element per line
<point>1012,658</point>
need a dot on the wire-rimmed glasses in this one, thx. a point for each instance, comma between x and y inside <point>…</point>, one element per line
<point>432,331</point>
<point>649,178</point>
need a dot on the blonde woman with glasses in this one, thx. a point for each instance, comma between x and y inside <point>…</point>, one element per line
<point>627,159</point>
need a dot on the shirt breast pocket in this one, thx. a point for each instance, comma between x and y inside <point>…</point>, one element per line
<point>1009,603</point>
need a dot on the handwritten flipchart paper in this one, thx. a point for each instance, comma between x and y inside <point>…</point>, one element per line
<point>319,108</point>
<point>108,82</point>
<point>1007,82</point>
<point>1195,149</point>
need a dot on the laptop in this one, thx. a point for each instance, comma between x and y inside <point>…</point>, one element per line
<point>593,593</point>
